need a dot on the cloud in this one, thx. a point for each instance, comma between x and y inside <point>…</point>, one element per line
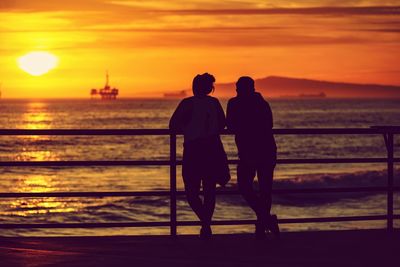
<point>52,5</point>
<point>376,10</point>
<point>216,39</point>
<point>208,7</point>
<point>388,30</point>
<point>133,24</point>
<point>248,4</point>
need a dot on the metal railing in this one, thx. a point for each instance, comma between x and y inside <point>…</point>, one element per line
<point>173,223</point>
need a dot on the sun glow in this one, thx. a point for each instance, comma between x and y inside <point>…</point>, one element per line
<point>38,62</point>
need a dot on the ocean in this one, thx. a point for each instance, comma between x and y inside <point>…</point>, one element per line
<point>155,114</point>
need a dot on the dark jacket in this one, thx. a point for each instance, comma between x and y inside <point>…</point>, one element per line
<point>250,118</point>
<point>198,118</point>
<point>201,120</point>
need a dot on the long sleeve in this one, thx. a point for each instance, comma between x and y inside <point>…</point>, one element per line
<point>176,122</point>
<point>269,118</point>
<point>221,117</point>
<point>230,117</point>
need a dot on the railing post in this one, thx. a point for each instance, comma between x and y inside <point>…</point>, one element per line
<point>172,174</point>
<point>390,155</point>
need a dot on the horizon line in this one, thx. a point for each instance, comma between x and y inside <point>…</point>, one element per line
<point>284,97</point>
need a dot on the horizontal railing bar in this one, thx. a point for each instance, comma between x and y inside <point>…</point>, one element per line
<point>181,193</point>
<point>84,131</point>
<point>334,160</point>
<point>190,223</point>
<point>387,128</point>
<point>296,220</point>
<point>324,131</point>
<point>85,163</point>
<point>336,219</point>
<point>82,225</point>
<point>334,190</point>
<point>87,194</point>
<point>290,131</point>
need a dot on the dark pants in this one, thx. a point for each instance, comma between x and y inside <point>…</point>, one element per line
<point>198,170</point>
<point>203,209</point>
<point>260,203</point>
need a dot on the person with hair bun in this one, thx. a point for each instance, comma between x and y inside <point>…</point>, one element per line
<point>201,119</point>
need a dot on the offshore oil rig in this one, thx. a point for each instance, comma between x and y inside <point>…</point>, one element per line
<point>106,93</point>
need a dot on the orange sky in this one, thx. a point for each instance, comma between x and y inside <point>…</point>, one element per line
<point>155,46</point>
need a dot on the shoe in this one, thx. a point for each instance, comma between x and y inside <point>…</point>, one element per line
<point>260,231</point>
<point>205,232</point>
<point>272,225</point>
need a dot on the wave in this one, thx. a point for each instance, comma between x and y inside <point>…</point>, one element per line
<point>10,144</point>
<point>343,180</point>
<point>360,178</point>
<point>129,208</point>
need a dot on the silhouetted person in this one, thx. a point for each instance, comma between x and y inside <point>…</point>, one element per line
<point>201,119</point>
<point>249,116</point>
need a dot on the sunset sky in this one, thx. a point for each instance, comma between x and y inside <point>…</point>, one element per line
<point>150,47</point>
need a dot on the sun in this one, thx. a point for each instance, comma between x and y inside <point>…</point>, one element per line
<point>37,63</point>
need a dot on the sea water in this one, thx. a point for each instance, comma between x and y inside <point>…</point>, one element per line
<point>155,114</point>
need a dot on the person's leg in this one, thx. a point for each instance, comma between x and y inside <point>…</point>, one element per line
<point>209,186</point>
<point>265,174</point>
<point>246,174</point>
<point>245,177</point>
<point>208,208</point>
<point>192,190</point>
<point>192,178</point>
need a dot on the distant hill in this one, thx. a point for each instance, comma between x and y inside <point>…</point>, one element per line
<point>274,86</point>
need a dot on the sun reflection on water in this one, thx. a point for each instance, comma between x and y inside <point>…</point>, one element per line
<point>34,206</point>
<point>36,116</point>
<point>36,183</point>
<point>36,148</point>
<point>35,155</point>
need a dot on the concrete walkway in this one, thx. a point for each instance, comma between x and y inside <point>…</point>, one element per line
<point>337,248</point>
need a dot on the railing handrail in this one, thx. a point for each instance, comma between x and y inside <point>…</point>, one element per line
<point>157,131</point>
<point>387,131</point>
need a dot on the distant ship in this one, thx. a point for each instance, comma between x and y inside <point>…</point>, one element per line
<point>179,94</point>
<point>320,95</point>
<point>106,93</point>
